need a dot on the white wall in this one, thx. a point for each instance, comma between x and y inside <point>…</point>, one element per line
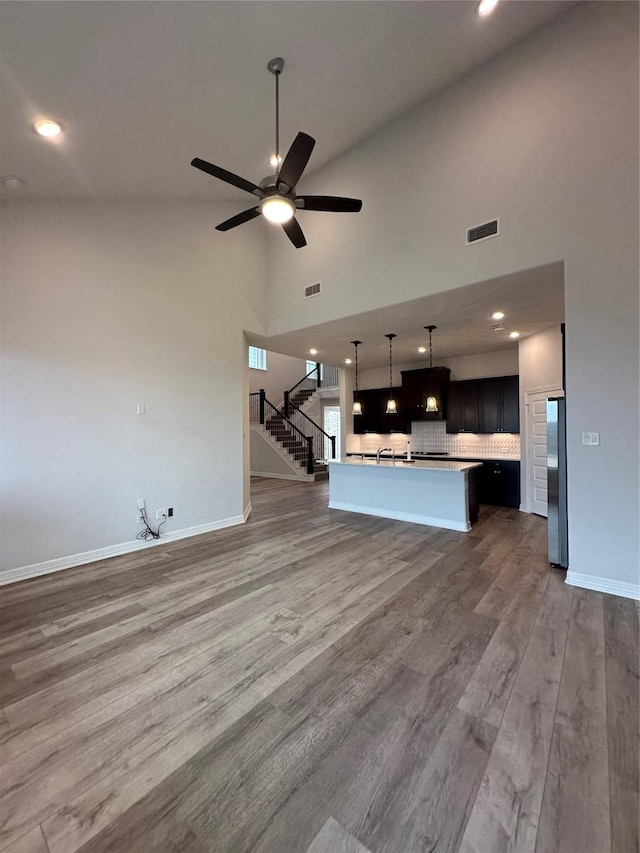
<point>540,362</point>
<point>546,137</point>
<point>105,306</point>
<point>282,373</point>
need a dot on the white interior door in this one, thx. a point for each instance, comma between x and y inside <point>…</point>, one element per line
<point>536,406</point>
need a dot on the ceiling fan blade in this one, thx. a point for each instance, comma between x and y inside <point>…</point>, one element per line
<point>294,233</point>
<point>229,177</point>
<point>239,219</point>
<point>333,203</point>
<point>296,160</point>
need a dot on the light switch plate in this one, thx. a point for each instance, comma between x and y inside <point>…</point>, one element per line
<point>591,438</point>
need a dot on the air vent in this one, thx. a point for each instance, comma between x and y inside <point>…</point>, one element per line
<point>498,327</point>
<point>312,290</point>
<point>483,232</point>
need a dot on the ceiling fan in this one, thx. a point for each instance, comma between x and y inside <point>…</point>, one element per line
<point>277,193</point>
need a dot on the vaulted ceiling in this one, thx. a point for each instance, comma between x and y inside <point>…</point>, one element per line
<point>143,87</point>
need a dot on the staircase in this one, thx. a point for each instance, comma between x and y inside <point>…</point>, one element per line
<point>278,428</point>
<point>291,446</point>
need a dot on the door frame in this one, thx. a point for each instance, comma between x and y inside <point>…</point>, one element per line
<point>552,391</point>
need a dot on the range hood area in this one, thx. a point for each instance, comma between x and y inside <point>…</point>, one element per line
<point>483,406</point>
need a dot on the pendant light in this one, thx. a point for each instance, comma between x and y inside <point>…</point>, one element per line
<point>392,408</point>
<point>432,402</point>
<point>357,405</point>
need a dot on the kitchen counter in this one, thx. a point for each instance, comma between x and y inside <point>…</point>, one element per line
<point>435,492</point>
<point>435,464</point>
<point>446,456</point>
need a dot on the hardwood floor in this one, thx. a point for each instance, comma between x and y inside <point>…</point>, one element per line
<point>320,682</point>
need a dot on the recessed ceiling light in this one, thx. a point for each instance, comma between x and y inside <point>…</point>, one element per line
<point>486,7</point>
<point>422,349</point>
<point>313,352</point>
<point>12,182</point>
<point>347,361</point>
<point>497,315</point>
<point>514,334</point>
<point>47,127</point>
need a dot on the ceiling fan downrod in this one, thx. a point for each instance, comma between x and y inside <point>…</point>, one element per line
<point>275,66</point>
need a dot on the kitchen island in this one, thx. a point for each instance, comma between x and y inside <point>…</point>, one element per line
<point>434,492</point>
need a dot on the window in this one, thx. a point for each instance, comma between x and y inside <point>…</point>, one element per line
<point>311,365</point>
<point>257,358</point>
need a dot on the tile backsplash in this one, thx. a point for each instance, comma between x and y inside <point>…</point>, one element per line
<point>433,436</point>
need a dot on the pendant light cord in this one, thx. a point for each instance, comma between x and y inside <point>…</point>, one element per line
<point>430,350</point>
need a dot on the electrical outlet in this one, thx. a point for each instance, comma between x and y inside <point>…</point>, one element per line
<point>139,518</point>
<point>170,512</point>
<point>160,514</point>
<point>591,438</point>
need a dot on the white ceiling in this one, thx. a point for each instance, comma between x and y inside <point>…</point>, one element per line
<point>143,87</point>
<point>532,300</point>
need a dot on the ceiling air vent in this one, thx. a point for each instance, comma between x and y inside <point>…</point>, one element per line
<point>497,327</point>
<point>483,232</point>
<point>312,290</point>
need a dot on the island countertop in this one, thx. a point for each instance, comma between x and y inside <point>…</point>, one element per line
<point>425,491</point>
<point>429,464</point>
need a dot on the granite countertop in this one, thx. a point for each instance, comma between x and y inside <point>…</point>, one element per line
<point>419,464</point>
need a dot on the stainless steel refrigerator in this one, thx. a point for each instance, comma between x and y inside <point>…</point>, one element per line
<point>557,483</point>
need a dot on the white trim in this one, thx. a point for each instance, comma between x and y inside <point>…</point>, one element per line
<point>461,526</point>
<point>599,584</point>
<point>61,563</point>
<point>247,511</point>
<point>527,455</point>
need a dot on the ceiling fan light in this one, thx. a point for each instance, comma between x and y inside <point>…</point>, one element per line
<point>432,404</point>
<point>277,209</point>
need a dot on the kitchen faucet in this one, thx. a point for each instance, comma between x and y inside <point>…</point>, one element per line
<point>382,450</point>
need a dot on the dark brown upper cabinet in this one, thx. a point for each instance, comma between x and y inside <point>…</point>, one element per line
<point>418,385</point>
<point>499,405</point>
<point>484,405</point>
<point>462,407</point>
<point>374,417</point>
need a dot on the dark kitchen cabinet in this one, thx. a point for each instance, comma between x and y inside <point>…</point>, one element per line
<point>499,405</point>
<point>497,482</point>
<point>374,417</point>
<point>484,405</point>
<point>418,385</point>
<point>500,483</point>
<point>462,407</point>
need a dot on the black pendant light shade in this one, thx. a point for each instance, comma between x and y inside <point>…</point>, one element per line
<point>357,405</point>
<point>392,408</point>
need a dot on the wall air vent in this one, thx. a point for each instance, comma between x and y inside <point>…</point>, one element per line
<point>312,290</point>
<point>483,232</point>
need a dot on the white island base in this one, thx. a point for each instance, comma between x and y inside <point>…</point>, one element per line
<point>437,493</point>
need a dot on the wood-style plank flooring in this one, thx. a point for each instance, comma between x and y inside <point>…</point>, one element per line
<point>320,682</point>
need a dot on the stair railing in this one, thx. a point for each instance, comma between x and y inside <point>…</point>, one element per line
<point>259,407</point>
<point>317,433</point>
<point>311,382</point>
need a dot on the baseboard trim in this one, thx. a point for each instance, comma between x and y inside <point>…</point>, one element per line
<point>599,584</point>
<point>61,563</point>
<point>247,511</point>
<point>446,523</point>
